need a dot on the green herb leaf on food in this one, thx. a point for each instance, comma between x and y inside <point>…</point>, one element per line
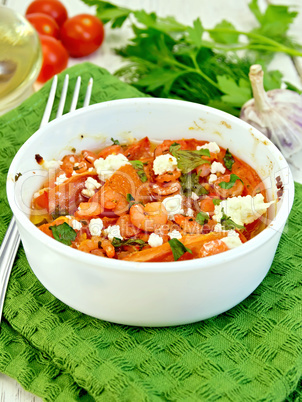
<point>178,249</point>
<point>63,233</point>
<point>228,159</point>
<point>189,160</point>
<point>116,242</point>
<point>202,218</point>
<point>216,201</point>
<point>227,185</point>
<point>115,142</point>
<point>139,167</point>
<point>190,183</point>
<point>228,224</point>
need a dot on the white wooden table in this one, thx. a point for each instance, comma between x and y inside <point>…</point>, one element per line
<point>210,12</point>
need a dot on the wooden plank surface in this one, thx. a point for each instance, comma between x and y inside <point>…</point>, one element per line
<point>185,11</point>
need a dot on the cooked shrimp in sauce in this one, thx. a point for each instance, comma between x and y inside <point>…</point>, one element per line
<point>175,200</point>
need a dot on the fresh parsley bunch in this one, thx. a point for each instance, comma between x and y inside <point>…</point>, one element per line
<point>170,59</point>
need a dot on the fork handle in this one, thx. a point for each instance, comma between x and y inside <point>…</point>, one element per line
<point>8,251</point>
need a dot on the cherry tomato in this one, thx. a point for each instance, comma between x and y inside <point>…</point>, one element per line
<point>82,34</point>
<point>55,58</point>
<point>53,8</point>
<point>44,24</point>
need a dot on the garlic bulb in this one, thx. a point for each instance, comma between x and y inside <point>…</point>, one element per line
<point>276,113</point>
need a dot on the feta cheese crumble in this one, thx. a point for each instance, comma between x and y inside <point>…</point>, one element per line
<point>164,163</point>
<point>90,186</point>
<point>96,226</point>
<point>175,234</point>
<point>106,167</point>
<point>212,178</point>
<point>60,179</point>
<point>173,205</point>
<point>217,167</point>
<point>190,212</point>
<point>232,240</point>
<point>113,231</point>
<point>194,196</point>
<point>155,240</point>
<point>52,164</point>
<point>242,210</point>
<point>76,225</point>
<point>211,146</point>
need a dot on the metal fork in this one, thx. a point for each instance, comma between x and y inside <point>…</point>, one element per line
<point>11,241</point>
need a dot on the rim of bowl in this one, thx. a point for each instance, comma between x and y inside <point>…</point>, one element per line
<point>92,261</point>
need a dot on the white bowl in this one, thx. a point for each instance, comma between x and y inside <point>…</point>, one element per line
<point>148,294</point>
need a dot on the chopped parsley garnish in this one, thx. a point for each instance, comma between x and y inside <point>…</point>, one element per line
<point>178,249</point>
<point>190,183</point>
<point>139,167</point>
<point>228,224</point>
<point>131,200</point>
<point>216,201</point>
<point>188,160</point>
<point>63,233</point>
<point>227,185</point>
<point>58,212</point>
<point>202,218</point>
<point>115,142</point>
<point>116,242</point>
<point>228,159</point>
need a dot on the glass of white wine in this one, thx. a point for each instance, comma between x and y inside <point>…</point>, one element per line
<point>20,58</point>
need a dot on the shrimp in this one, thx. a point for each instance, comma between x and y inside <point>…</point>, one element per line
<point>168,176</point>
<point>108,248</point>
<point>166,189</point>
<point>207,205</point>
<point>80,167</point>
<point>234,191</point>
<point>212,247</point>
<point>188,224</point>
<point>148,217</point>
<point>163,148</point>
<point>127,229</point>
<point>203,170</point>
<point>94,243</point>
<point>111,150</point>
<point>90,244</point>
<point>88,209</point>
<point>89,156</point>
<point>113,200</point>
<point>68,164</point>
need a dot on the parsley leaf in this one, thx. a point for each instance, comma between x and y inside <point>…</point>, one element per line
<point>275,21</point>
<point>115,142</point>
<point>139,167</point>
<point>227,185</point>
<point>116,242</point>
<point>190,183</point>
<point>228,224</point>
<point>224,37</point>
<point>216,201</point>
<point>63,233</point>
<point>228,159</point>
<point>202,218</point>
<point>188,160</point>
<point>236,94</point>
<point>178,249</point>
<point>129,198</point>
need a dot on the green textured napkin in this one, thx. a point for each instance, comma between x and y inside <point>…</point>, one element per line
<point>251,353</point>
